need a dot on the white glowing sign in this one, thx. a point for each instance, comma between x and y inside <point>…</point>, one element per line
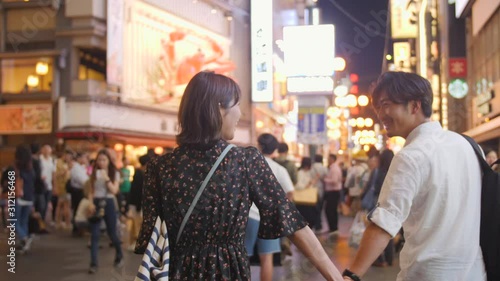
<point>309,85</point>
<point>460,7</point>
<point>309,50</point>
<point>262,50</point>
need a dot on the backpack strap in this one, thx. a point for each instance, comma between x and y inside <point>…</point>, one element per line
<point>200,191</point>
<point>482,162</point>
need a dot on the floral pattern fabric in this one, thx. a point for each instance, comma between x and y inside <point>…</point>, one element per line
<point>212,246</point>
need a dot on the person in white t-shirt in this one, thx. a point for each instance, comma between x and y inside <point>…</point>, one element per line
<point>432,189</point>
<point>104,185</point>
<point>267,247</point>
<point>48,169</point>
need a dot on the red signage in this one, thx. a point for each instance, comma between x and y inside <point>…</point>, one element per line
<point>457,67</point>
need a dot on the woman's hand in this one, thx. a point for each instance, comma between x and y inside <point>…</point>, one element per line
<point>307,242</point>
<point>106,178</point>
<point>91,209</point>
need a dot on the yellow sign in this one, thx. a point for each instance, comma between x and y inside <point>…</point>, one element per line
<point>404,17</point>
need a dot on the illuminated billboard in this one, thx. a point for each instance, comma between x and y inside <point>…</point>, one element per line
<point>163,52</point>
<point>404,18</point>
<point>262,50</point>
<point>309,50</point>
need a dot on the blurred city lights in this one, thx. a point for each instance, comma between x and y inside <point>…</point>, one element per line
<point>340,91</point>
<point>351,101</point>
<point>360,122</point>
<point>363,100</point>
<point>368,122</point>
<point>339,64</point>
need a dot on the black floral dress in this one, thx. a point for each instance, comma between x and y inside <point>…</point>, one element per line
<point>212,244</point>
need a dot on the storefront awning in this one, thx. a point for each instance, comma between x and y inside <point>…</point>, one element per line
<point>486,131</point>
<point>133,138</point>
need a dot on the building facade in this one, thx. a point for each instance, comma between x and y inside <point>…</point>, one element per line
<point>483,56</point>
<point>88,74</point>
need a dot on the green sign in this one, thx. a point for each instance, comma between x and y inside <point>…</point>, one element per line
<point>458,88</point>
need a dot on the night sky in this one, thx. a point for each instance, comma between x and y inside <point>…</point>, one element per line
<point>362,49</point>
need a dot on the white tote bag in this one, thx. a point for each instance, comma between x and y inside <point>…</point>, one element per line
<point>156,259</point>
<point>357,229</point>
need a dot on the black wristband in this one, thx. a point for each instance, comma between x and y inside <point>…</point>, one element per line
<point>351,275</point>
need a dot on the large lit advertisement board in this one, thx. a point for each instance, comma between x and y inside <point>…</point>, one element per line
<point>309,50</point>
<point>261,12</point>
<point>404,18</point>
<point>162,52</point>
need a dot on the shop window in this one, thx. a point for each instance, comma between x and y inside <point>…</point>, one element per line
<point>36,30</point>
<point>92,65</point>
<point>27,75</point>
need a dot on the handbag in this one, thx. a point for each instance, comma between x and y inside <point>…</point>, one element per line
<point>307,196</point>
<point>357,189</point>
<point>156,259</point>
<point>357,230</point>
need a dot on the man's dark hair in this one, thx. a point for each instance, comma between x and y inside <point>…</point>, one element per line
<point>199,115</point>
<point>144,159</point>
<point>23,159</point>
<point>282,147</point>
<point>35,148</point>
<point>403,87</point>
<point>334,157</point>
<point>268,143</point>
<point>318,158</point>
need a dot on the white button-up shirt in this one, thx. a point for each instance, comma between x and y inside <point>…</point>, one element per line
<point>433,190</point>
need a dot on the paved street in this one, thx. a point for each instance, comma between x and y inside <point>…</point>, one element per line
<point>59,257</point>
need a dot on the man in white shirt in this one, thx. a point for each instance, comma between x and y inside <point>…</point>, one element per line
<point>432,190</point>
<point>78,178</point>
<point>333,185</point>
<point>48,169</point>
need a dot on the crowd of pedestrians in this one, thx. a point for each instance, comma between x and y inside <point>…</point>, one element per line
<point>70,192</point>
<point>252,204</point>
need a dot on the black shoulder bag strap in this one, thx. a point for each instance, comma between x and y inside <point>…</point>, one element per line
<point>482,162</point>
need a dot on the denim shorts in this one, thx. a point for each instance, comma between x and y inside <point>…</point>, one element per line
<point>264,246</point>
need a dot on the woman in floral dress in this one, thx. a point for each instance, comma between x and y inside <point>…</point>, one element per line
<point>212,243</point>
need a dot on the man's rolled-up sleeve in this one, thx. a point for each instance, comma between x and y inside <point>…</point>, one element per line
<point>396,196</point>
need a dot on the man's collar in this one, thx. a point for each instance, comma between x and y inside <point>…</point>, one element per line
<point>426,127</point>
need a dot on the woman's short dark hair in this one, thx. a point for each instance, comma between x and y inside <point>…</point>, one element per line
<point>403,87</point>
<point>282,147</point>
<point>305,163</point>
<point>199,115</point>
<point>268,143</point>
<point>23,158</point>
